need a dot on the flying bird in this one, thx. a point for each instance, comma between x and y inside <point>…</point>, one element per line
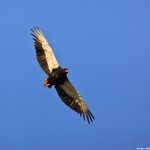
<point>57,76</point>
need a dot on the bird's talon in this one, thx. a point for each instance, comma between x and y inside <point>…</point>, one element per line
<point>46,84</point>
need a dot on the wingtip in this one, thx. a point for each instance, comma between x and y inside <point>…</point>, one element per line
<point>84,116</point>
<point>35,29</point>
<point>89,116</point>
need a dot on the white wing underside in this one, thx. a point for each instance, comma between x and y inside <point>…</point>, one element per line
<point>44,52</point>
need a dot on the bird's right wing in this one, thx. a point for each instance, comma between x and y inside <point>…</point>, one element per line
<point>44,52</point>
<point>73,99</point>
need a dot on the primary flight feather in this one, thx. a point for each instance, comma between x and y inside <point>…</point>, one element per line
<point>58,76</point>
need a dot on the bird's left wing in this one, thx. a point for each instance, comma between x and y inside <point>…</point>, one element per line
<point>73,99</point>
<point>44,52</point>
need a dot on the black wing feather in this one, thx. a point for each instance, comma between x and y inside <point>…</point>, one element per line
<point>73,99</point>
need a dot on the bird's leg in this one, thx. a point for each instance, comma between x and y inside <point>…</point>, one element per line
<point>46,83</point>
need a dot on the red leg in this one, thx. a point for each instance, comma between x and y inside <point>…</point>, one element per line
<point>46,84</point>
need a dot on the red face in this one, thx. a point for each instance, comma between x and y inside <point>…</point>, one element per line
<point>66,70</point>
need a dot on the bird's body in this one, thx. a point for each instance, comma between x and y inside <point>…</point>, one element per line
<point>58,76</point>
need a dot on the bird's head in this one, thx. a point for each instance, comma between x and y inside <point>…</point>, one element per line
<point>66,70</point>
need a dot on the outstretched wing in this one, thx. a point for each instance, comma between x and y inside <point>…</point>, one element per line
<point>73,99</point>
<point>44,52</point>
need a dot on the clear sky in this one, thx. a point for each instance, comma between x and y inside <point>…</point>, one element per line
<point>106,46</point>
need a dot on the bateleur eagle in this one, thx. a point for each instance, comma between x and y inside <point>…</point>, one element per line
<point>58,76</point>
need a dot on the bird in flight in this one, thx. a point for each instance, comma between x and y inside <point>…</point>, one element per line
<point>58,76</point>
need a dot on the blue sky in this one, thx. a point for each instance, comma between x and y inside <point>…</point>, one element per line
<point>106,46</point>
